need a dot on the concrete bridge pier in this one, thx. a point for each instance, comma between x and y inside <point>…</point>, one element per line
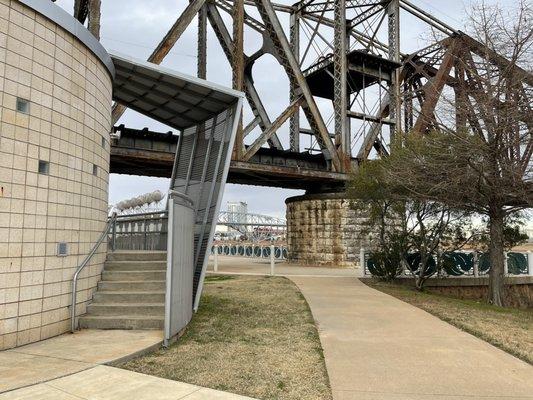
<point>324,229</point>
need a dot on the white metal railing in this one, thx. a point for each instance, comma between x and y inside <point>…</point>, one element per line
<point>263,252</point>
<point>142,231</point>
<point>479,268</point>
<point>251,250</point>
<point>80,268</point>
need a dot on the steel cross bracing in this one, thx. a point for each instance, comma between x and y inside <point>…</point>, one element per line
<point>81,10</point>
<point>458,64</point>
<point>88,10</point>
<point>345,51</point>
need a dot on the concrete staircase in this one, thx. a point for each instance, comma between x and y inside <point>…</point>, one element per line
<point>131,294</point>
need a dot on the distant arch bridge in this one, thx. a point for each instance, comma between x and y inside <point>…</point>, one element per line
<point>253,226</point>
<point>148,230</point>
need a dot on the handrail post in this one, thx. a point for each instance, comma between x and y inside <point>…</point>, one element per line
<point>530,263</point>
<point>362,269</point>
<point>114,235</point>
<point>73,305</point>
<point>145,234</point>
<point>215,266</point>
<point>505,264</point>
<point>272,260</point>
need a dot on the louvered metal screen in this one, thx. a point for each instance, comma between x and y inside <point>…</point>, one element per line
<point>200,171</point>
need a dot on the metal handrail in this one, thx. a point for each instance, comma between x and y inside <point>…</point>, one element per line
<point>110,223</point>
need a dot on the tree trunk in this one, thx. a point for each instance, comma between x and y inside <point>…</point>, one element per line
<point>421,271</point>
<point>496,293</point>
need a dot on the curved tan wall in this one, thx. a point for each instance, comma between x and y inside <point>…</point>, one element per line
<point>69,90</point>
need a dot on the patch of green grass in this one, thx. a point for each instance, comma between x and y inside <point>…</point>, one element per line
<point>510,329</point>
<point>253,336</point>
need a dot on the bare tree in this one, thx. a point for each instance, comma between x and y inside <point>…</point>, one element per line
<point>409,233</point>
<point>483,163</point>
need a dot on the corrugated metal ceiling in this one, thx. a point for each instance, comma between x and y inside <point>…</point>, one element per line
<point>177,100</point>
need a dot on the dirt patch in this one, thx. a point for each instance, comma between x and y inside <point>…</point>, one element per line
<point>507,328</point>
<point>253,336</point>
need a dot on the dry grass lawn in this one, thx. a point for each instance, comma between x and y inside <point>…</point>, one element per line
<point>253,336</point>
<point>507,328</point>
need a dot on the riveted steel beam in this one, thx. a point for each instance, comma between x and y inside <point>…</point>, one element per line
<point>286,114</point>
<point>201,62</point>
<point>237,66</point>
<point>499,60</point>
<point>228,7</point>
<point>94,13</point>
<point>292,68</point>
<point>375,129</point>
<point>164,47</point>
<point>393,12</point>
<point>433,90</point>
<point>226,42</point>
<point>340,87</point>
<point>294,127</point>
<point>251,126</point>
<point>81,10</point>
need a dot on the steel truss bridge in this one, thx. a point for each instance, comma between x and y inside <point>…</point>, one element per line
<point>151,227</point>
<point>345,51</point>
<point>255,227</point>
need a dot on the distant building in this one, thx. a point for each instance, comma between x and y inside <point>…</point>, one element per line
<point>237,210</point>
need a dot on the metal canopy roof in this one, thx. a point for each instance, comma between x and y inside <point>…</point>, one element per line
<point>177,100</point>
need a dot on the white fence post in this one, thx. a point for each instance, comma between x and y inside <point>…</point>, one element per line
<point>362,262</point>
<point>215,266</point>
<point>530,263</point>
<point>505,264</point>
<point>272,260</point>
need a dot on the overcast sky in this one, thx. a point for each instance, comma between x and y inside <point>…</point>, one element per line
<point>134,27</point>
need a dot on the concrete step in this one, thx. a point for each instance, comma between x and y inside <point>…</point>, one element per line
<point>131,286</point>
<point>131,294</point>
<point>155,275</point>
<point>137,256</point>
<point>121,322</point>
<point>135,265</point>
<point>129,297</point>
<point>118,309</point>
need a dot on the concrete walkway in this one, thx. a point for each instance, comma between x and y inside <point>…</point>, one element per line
<point>378,347</point>
<point>108,383</point>
<point>257,266</point>
<point>70,353</point>
<point>69,367</point>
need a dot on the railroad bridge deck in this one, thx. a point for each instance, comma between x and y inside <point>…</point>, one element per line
<point>148,153</point>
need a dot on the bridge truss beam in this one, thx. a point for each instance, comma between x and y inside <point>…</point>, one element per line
<point>370,84</point>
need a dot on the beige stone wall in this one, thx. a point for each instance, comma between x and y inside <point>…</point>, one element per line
<point>67,125</point>
<point>325,230</point>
